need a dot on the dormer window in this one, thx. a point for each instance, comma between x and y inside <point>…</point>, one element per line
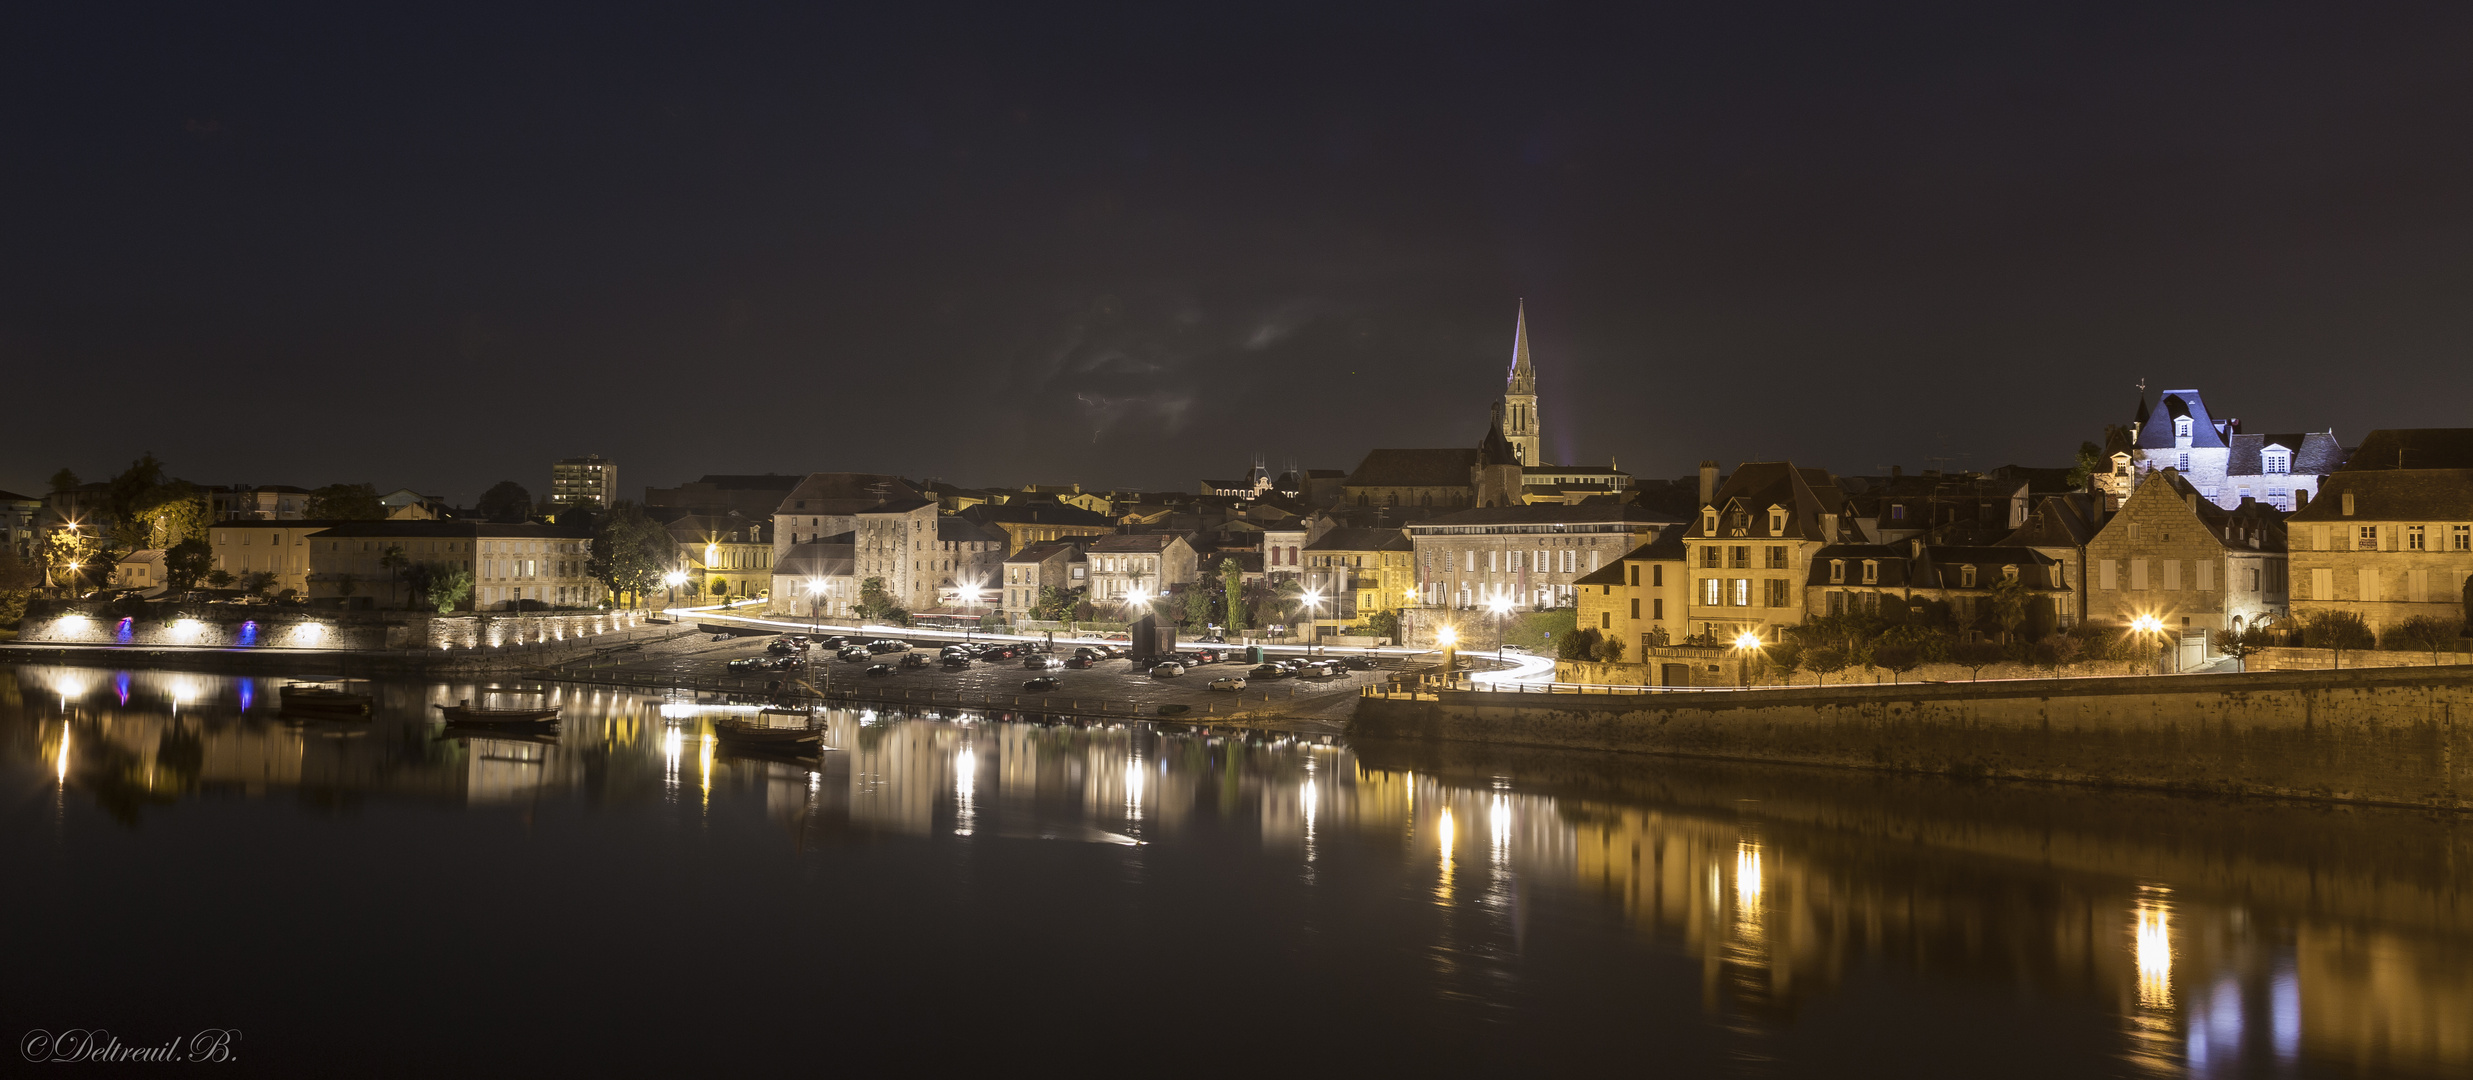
<point>2181,428</point>
<point>1966,577</point>
<point>1708,522</point>
<point>2009,573</point>
<point>1777,520</point>
<point>1897,512</point>
<point>1837,571</point>
<point>2278,464</point>
<point>1871,572</point>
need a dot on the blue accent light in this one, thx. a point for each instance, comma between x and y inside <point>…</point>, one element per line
<point>248,636</point>
<point>120,681</point>
<point>248,689</point>
<point>125,632</point>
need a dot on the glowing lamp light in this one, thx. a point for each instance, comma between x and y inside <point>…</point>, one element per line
<point>815,586</point>
<point>712,556</point>
<point>1446,636</point>
<point>1747,640</point>
<point>185,629</point>
<point>674,578</point>
<point>1500,605</point>
<point>2147,624</point>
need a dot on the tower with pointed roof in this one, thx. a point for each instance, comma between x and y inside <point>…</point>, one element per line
<point>1519,406</point>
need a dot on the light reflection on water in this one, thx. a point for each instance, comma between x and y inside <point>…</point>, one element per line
<point>2219,962</point>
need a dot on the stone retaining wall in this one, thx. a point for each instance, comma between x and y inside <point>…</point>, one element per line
<point>2379,735</point>
<point>237,627</point>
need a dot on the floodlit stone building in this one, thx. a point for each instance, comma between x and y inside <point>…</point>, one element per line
<point>2195,566</point>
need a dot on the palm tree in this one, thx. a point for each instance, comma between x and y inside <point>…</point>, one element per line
<point>394,562</point>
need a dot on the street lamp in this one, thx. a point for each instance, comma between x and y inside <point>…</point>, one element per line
<point>1312,599</point>
<point>2150,625</point>
<point>673,579</point>
<point>1746,641</point>
<point>1449,639</point>
<point>970,598</point>
<point>1501,606</point>
<point>815,603</point>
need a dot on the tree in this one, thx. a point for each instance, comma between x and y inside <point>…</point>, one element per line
<point>256,582</point>
<point>171,513</point>
<point>2425,632</point>
<point>187,562</point>
<point>2243,643</point>
<point>1577,645</point>
<point>1055,604</point>
<point>1897,659</point>
<point>1825,661</point>
<point>721,587</point>
<point>878,605</point>
<point>1197,606</point>
<point>450,589</point>
<point>1786,656</point>
<point>1976,656</point>
<point>630,552</point>
<point>1232,587</point>
<point>123,495</point>
<point>506,502</point>
<point>219,579</point>
<point>2091,460</point>
<point>346,502</point>
<point>1384,624</point>
<point>2336,631</point>
<point>64,481</point>
<point>393,560</point>
<point>1609,649</point>
<point>2010,597</point>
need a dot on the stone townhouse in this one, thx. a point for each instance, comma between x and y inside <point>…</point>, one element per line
<point>1529,557</point>
<point>17,523</point>
<point>828,504</point>
<point>725,556</point>
<point>1639,599</point>
<point>1750,547</point>
<point>1140,564</point>
<point>895,542</point>
<point>1851,579</point>
<point>2386,544</point>
<point>817,579</point>
<point>1030,572</point>
<point>1024,523</point>
<point>518,566</point>
<point>2171,553</point>
<point>966,562</point>
<point>1358,572</point>
<point>2059,529</point>
<point>242,547</point>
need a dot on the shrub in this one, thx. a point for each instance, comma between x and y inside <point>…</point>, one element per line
<point>2423,632</point>
<point>1825,661</point>
<point>1978,655</point>
<point>2336,631</point>
<point>1896,658</point>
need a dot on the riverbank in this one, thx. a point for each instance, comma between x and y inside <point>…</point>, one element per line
<point>356,663</point>
<point>2380,736</point>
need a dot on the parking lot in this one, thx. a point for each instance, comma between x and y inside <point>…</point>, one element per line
<point>1117,681</point>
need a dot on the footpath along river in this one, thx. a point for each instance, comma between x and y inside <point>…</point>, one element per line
<point>948,893</point>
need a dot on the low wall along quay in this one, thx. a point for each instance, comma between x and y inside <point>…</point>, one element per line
<point>2393,735</point>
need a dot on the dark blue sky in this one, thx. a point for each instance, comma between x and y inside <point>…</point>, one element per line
<point>437,246</point>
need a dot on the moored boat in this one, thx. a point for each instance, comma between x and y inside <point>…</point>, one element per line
<point>742,733</point>
<point>465,712</point>
<point>321,700</point>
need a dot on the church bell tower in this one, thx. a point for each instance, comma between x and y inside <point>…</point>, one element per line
<point>1519,409</point>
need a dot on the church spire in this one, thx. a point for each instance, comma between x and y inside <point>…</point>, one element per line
<point>1523,372</point>
<point>1518,410</point>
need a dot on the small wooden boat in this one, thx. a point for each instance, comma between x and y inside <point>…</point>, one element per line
<point>465,712</point>
<point>1175,710</point>
<point>313,699</point>
<point>742,733</point>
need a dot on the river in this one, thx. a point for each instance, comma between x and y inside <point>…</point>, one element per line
<point>937,893</point>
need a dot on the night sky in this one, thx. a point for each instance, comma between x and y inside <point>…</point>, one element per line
<point>430,246</point>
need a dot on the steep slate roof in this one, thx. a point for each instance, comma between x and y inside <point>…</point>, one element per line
<point>11,496</point>
<point>425,530</point>
<point>2392,495</point>
<point>1141,542</point>
<point>898,506</point>
<point>1758,485</point>
<point>1362,540</point>
<point>844,493</point>
<point>968,532</point>
<point>1415,468</point>
<point>1591,512</point>
<point>2059,521</point>
<point>2157,433</point>
<point>1042,552</point>
<point>1894,569</point>
<point>2412,448</point>
<point>2315,453</point>
<point>703,528</point>
<point>1034,514</point>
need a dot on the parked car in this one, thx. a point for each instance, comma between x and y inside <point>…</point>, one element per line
<point>782,646</point>
<point>1269,671</point>
<point>1169,670</point>
<point>746,663</point>
<point>854,654</point>
<point>834,642</point>
<point>1041,663</point>
<point>1081,662</point>
<point>915,660</point>
<point>1207,656</point>
<point>1322,669</point>
<point>1213,639</point>
<point>1357,663</point>
<point>1043,682</point>
<point>957,663</point>
<point>1116,635</point>
<point>888,645</point>
<point>878,670</point>
<point>1001,652</point>
<point>1228,682</point>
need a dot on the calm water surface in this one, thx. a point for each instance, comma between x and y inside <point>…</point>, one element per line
<point>370,897</point>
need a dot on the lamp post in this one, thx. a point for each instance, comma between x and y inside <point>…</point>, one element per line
<point>1501,606</point>
<point>2151,626</point>
<point>1746,642</point>
<point>970,598</point>
<point>672,581</point>
<point>815,604</point>
<point>1312,599</point>
<point>1449,639</point>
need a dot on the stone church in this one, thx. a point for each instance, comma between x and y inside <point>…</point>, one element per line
<point>1505,468</point>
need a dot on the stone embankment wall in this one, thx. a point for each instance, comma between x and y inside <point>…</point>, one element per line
<point>2394,735</point>
<point>1716,669</point>
<point>2325,659</point>
<point>231,627</point>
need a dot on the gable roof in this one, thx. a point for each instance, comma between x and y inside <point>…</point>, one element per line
<point>1351,539</point>
<point>1037,513</point>
<point>1590,512</point>
<point>2315,453</point>
<point>959,530</point>
<point>2392,495</point>
<point>2169,484</point>
<point>835,557</point>
<point>1758,485</point>
<point>2059,521</point>
<point>844,493</point>
<point>1415,468</point>
<point>2412,448</point>
<point>1042,552</point>
<point>1138,542</point>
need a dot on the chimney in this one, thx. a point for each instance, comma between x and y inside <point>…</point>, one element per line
<point>2301,499</point>
<point>1708,482</point>
<point>1896,471</point>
